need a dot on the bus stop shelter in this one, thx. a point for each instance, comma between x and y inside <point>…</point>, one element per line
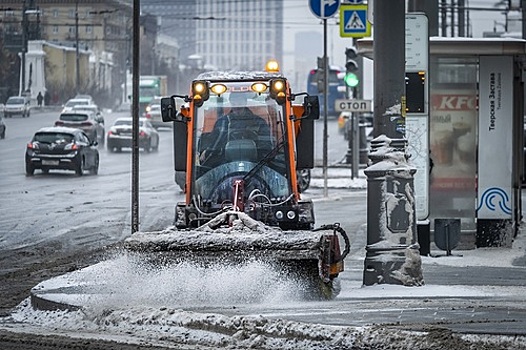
<point>476,137</point>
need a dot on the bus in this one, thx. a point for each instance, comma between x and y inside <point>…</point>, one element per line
<point>336,91</point>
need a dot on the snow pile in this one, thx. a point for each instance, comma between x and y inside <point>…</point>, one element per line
<point>169,327</point>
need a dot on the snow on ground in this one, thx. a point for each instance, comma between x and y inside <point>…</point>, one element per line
<point>148,308</point>
<point>152,308</point>
<point>167,326</point>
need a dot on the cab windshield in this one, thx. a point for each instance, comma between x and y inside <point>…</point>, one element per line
<point>239,135</point>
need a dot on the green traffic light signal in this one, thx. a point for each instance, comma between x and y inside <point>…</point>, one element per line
<point>351,80</point>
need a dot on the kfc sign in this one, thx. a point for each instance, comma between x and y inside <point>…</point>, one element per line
<point>454,102</point>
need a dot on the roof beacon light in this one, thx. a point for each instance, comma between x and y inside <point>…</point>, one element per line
<point>272,66</point>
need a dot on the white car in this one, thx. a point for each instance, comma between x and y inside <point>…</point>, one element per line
<point>68,107</point>
<point>17,105</point>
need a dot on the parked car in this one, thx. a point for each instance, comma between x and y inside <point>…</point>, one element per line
<point>91,123</point>
<point>17,105</point>
<point>61,148</point>
<point>3,127</point>
<point>68,106</point>
<point>120,135</point>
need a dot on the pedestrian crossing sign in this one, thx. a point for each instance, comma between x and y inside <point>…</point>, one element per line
<point>353,21</point>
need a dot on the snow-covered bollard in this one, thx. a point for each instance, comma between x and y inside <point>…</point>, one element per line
<point>392,251</point>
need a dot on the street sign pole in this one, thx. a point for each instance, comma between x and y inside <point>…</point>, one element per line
<point>324,9</point>
<point>325,107</point>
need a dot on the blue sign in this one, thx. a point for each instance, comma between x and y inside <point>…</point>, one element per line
<point>324,8</point>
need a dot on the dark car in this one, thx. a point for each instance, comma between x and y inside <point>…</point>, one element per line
<point>61,148</point>
<point>17,105</point>
<point>89,121</point>
<point>120,135</point>
<point>2,128</point>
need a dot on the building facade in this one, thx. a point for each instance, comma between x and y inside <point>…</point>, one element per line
<point>225,34</point>
<point>94,31</point>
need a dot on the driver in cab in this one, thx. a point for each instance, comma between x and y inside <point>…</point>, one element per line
<point>237,135</point>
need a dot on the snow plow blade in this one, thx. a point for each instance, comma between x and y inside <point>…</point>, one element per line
<point>314,256</point>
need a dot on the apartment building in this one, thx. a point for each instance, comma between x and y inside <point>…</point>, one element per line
<point>226,34</point>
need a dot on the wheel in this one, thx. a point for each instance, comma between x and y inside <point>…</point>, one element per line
<point>30,170</point>
<point>80,167</point>
<point>95,169</point>
<point>303,179</point>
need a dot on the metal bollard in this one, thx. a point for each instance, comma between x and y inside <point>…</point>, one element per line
<point>392,251</point>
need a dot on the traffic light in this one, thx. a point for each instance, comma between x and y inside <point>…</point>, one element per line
<point>351,78</point>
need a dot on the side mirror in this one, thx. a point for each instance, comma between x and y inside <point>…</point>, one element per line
<point>311,105</point>
<point>169,111</point>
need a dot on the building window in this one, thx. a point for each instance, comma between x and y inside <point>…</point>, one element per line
<point>55,29</point>
<point>71,13</point>
<point>89,29</point>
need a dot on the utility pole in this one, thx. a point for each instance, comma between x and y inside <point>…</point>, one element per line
<point>135,118</point>
<point>77,64</point>
<point>392,253</point>
<point>25,24</point>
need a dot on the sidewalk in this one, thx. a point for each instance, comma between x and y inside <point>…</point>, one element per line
<point>338,177</point>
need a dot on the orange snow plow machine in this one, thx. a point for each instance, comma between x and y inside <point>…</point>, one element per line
<point>240,138</point>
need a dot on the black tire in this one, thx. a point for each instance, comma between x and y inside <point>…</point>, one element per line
<point>303,177</point>
<point>79,170</point>
<point>30,170</point>
<point>95,169</point>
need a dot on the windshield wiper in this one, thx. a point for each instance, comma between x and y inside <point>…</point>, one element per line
<point>265,160</point>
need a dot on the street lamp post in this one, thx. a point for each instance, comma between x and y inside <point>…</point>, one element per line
<point>77,63</point>
<point>24,50</point>
<point>392,252</point>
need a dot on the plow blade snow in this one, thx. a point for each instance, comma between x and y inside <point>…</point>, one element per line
<point>310,255</point>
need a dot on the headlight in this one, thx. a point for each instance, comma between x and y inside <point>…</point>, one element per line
<point>200,92</point>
